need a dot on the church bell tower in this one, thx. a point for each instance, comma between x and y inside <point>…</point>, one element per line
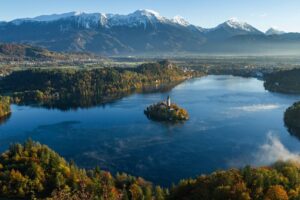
<point>169,101</point>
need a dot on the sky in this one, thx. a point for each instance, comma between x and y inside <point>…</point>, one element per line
<point>263,14</point>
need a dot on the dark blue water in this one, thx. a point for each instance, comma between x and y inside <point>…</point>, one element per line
<point>233,122</point>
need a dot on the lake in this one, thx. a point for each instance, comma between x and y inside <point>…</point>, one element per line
<point>233,122</point>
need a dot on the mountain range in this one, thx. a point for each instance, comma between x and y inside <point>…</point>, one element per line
<point>141,32</point>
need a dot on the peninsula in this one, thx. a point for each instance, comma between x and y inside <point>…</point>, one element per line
<point>63,86</point>
<point>286,81</point>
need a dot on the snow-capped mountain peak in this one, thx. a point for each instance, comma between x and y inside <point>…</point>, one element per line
<point>88,19</point>
<point>147,12</point>
<point>55,16</point>
<point>139,17</point>
<point>143,16</point>
<point>46,18</point>
<point>236,24</point>
<point>180,20</point>
<point>274,31</point>
<point>83,19</point>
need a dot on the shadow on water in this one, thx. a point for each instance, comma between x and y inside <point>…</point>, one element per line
<point>5,119</point>
<point>167,124</point>
<point>292,120</point>
<point>294,131</point>
<point>227,128</point>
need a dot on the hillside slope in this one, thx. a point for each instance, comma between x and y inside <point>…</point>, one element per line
<point>33,171</point>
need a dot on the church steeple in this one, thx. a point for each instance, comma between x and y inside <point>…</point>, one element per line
<point>169,101</point>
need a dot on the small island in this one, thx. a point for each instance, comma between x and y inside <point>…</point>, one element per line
<point>292,119</point>
<point>4,107</point>
<point>166,111</point>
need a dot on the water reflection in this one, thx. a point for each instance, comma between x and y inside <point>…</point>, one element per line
<point>229,126</point>
<point>78,102</point>
<point>294,131</point>
<point>5,119</point>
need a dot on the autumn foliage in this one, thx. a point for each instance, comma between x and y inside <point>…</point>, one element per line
<point>34,171</point>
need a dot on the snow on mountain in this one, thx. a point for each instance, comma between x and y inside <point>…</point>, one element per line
<point>124,34</point>
<point>139,17</point>
<point>274,31</point>
<point>235,24</point>
<point>143,18</point>
<point>180,20</point>
<point>83,19</point>
<point>93,19</point>
<point>45,18</point>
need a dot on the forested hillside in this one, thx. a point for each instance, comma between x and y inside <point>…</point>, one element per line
<point>33,170</point>
<point>66,84</point>
<point>24,52</point>
<point>284,81</point>
<point>4,106</point>
<point>292,119</point>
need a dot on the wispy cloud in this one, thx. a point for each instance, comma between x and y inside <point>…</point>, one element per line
<point>234,112</point>
<point>257,107</point>
<point>268,153</point>
<point>273,150</point>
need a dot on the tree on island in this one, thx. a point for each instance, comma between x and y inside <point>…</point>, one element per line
<point>166,111</point>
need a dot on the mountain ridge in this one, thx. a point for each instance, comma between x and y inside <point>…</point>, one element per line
<point>274,31</point>
<point>146,12</point>
<point>143,31</point>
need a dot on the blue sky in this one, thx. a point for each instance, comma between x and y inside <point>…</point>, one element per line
<point>283,14</point>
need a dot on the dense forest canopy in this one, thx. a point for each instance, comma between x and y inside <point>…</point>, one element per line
<point>33,170</point>
<point>292,119</point>
<point>4,106</point>
<point>40,85</point>
<point>284,81</point>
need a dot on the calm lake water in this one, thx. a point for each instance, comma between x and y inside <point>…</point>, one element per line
<point>233,122</point>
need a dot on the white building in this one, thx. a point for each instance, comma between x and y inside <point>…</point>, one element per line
<point>169,101</point>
